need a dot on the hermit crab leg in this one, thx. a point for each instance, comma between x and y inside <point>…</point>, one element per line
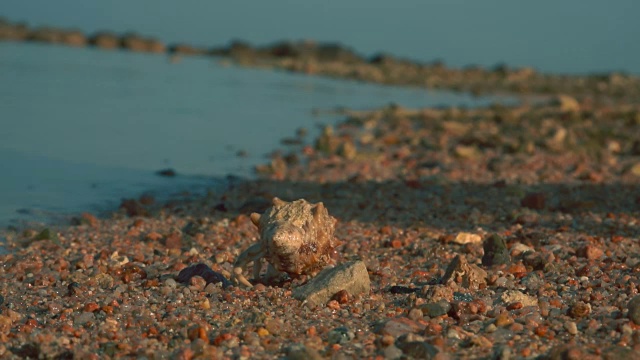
<point>254,253</point>
<point>272,273</point>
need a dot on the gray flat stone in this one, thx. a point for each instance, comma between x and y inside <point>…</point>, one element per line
<point>350,276</point>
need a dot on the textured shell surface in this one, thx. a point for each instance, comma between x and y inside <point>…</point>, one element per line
<point>297,235</point>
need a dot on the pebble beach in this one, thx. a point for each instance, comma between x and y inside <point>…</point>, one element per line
<point>500,232</point>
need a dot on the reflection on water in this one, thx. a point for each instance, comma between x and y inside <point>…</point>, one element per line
<point>82,126</point>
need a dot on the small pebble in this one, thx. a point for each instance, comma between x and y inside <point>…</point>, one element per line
<point>491,328</point>
<point>453,334</point>
<point>634,309</point>
<point>415,314</point>
<point>340,335</point>
<point>495,251</point>
<point>467,238</point>
<point>436,309</point>
<point>571,327</point>
<point>503,319</point>
<point>392,352</point>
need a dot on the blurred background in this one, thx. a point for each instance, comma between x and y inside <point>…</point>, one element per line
<point>82,128</point>
<point>569,36</point>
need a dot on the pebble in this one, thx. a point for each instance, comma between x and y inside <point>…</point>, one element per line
<point>503,319</point>
<point>277,326</point>
<point>302,352</point>
<point>453,334</point>
<point>415,314</point>
<point>634,309</point>
<point>503,353</point>
<point>580,309</point>
<point>83,318</point>
<point>495,251</point>
<point>171,283</point>
<point>532,282</point>
<point>513,296</point>
<point>571,327</point>
<point>340,335</point>
<point>520,248</point>
<point>391,352</point>
<point>387,340</point>
<point>419,350</point>
<point>350,276</point>
<point>400,326</point>
<point>439,308</point>
<point>534,201</point>
<point>211,288</point>
<point>467,238</point>
<point>590,252</point>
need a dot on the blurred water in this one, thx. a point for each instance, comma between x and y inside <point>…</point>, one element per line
<point>557,36</point>
<point>81,128</point>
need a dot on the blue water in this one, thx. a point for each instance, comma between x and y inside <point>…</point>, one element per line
<point>557,36</point>
<point>82,128</point>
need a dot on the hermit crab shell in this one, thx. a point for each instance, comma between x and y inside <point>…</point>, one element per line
<point>297,236</point>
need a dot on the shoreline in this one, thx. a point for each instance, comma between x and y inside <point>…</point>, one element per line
<point>335,60</point>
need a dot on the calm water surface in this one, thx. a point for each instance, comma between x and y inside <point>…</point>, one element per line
<point>82,128</point>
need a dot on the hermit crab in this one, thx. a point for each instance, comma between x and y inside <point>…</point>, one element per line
<point>296,238</point>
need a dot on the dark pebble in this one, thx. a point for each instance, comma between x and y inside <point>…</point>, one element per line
<point>221,207</point>
<point>536,260</point>
<point>133,208</point>
<point>27,351</point>
<point>634,309</point>
<point>534,201</point>
<point>205,272</point>
<point>495,251</point>
<point>166,172</point>
<point>436,309</point>
<point>44,235</point>
<point>73,288</point>
<point>192,228</point>
<point>397,289</point>
<point>416,349</point>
